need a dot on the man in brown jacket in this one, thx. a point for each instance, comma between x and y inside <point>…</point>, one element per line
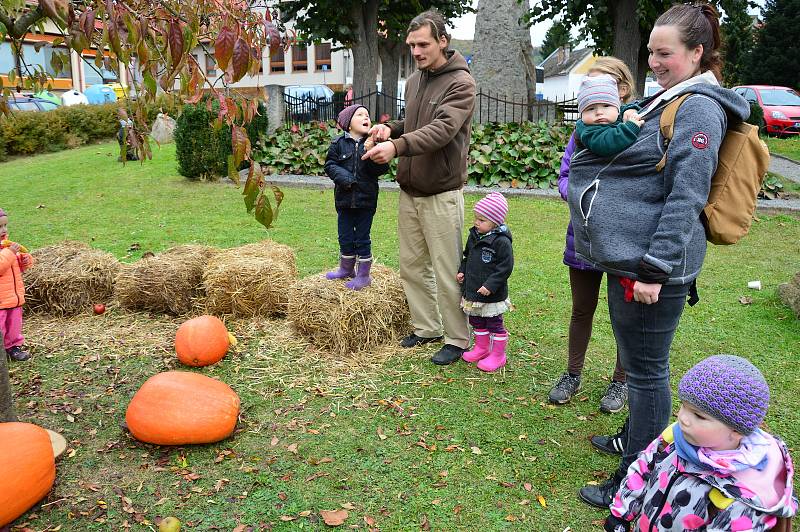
<point>432,144</point>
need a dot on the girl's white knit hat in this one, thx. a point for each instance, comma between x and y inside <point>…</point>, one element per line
<point>494,207</point>
<point>598,89</point>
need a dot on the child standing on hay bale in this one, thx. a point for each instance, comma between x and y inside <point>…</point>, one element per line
<point>483,274</point>
<point>355,195</point>
<point>14,260</point>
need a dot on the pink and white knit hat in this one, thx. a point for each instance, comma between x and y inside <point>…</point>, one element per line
<point>494,207</point>
<point>598,89</point>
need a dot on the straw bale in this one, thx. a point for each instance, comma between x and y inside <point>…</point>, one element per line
<point>69,278</point>
<point>251,280</point>
<point>341,321</point>
<point>168,283</point>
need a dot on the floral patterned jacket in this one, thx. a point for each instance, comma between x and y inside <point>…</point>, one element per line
<point>662,492</point>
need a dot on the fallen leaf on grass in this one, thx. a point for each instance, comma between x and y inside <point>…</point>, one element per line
<point>381,435</point>
<point>240,528</point>
<point>476,450</point>
<point>457,509</point>
<point>527,486</point>
<point>423,523</point>
<point>292,448</point>
<point>274,441</point>
<point>370,521</point>
<point>348,506</point>
<point>288,517</point>
<point>510,518</point>
<point>334,517</point>
<point>746,300</point>
<point>542,501</point>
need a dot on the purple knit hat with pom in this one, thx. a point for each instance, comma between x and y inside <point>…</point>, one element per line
<point>728,388</point>
<point>2,212</point>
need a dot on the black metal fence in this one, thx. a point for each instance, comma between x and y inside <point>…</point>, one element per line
<point>488,108</point>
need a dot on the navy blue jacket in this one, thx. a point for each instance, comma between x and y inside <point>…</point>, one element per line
<point>488,261</point>
<point>356,180</point>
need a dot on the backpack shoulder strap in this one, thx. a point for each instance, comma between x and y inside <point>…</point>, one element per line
<point>666,124</point>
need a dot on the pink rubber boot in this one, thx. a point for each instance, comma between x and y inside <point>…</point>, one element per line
<point>481,347</point>
<point>497,358</point>
<point>347,268</point>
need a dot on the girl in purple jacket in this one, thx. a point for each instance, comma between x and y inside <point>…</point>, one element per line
<point>584,281</point>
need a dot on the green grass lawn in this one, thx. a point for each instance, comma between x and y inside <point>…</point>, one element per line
<point>786,146</point>
<point>400,443</point>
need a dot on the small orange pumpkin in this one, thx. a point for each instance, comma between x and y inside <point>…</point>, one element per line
<point>202,341</point>
<point>27,468</point>
<point>179,408</point>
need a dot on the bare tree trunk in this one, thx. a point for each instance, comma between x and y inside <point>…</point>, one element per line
<point>390,52</point>
<point>365,51</point>
<point>6,404</point>
<point>628,39</point>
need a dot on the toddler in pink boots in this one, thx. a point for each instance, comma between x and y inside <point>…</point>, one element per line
<point>483,274</point>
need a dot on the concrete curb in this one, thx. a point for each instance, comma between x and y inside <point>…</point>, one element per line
<point>788,168</point>
<point>790,206</point>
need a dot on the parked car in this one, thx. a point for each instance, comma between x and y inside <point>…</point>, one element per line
<point>309,102</point>
<point>19,102</point>
<point>781,107</point>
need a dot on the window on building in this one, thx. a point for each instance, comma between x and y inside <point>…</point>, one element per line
<point>277,61</point>
<point>299,58</point>
<point>7,63</point>
<point>94,75</point>
<point>211,66</point>
<point>322,56</point>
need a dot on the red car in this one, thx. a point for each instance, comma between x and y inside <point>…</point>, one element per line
<point>781,107</point>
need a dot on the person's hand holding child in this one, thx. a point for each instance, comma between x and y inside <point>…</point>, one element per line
<point>631,115</point>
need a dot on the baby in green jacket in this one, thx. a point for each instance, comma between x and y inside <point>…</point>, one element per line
<point>605,128</point>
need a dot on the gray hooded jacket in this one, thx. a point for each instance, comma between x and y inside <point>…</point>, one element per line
<point>624,211</point>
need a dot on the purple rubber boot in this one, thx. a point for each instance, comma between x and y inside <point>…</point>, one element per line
<point>347,264</point>
<point>362,278</point>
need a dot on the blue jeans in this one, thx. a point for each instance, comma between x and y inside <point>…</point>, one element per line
<point>354,227</point>
<point>644,335</point>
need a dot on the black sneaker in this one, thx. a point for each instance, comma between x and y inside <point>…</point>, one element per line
<point>613,444</point>
<point>16,353</point>
<point>600,496</point>
<point>412,340</point>
<point>615,398</point>
<point>564,389</point>
<point>447,355</point>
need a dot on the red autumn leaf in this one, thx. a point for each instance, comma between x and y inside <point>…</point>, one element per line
<point>241,58</point>
<point>240,144</point>
<point>223,46</point>
<point>175,38</point>
<point>86,22</point>
<point>334,517</point>
<point>273,37</point>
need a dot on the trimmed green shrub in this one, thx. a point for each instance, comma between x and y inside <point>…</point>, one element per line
<point>29,132</point>
<point>526,155</point>
<point>203,150</point>
<point>756,115</point>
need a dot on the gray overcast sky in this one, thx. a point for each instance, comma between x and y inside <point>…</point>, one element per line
<point>464,27</point>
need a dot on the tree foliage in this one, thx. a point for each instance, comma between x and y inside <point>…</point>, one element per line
<point>772,62</point>
<point>155,38</point>
<point>556,37</point>
<point>737,39</point>
<point>617,27</point>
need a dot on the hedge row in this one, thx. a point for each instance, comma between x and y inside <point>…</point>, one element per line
<point>28,132</point>
<point>526,155</point>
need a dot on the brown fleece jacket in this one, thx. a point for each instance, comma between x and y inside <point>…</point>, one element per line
<point>433,141</point>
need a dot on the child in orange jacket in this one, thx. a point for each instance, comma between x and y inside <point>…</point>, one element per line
<point>13,261</point>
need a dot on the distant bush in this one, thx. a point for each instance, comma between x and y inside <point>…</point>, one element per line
<point>29,132</point>
<point>202,150</point>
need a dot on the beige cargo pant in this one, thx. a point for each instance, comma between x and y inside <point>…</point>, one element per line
<point>430,236</point>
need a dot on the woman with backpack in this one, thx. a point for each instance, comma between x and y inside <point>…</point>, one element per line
<point>642,226</point>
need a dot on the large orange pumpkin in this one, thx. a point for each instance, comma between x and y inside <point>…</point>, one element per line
<point>202,341</point>
<point>179,408</point>
<point>27,468</point>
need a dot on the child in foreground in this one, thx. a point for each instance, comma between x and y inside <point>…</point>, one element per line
<point>483,274</point>
<point>355,196</point>
<point>600,128</point>
<point>714,469</point>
